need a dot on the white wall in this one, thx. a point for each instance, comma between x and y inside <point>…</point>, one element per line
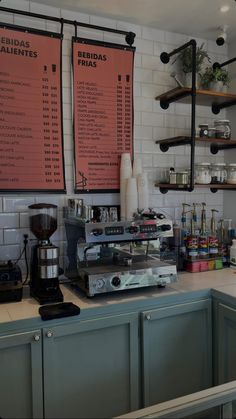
<point>230,155</point>
<point>151,78</point>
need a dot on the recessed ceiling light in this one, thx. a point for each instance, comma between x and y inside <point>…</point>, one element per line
<point>224,8</point>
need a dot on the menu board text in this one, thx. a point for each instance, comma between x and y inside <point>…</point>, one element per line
<point>103,113</point>
<point>31,154</point>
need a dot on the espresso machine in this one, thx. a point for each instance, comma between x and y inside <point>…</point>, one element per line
<point>122,258</point>
<point>44,265</point>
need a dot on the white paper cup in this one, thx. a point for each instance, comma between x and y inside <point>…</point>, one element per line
<point>143,194</point>
<point>125,166</point>
<point>131,198</point>
<point>137,167</point>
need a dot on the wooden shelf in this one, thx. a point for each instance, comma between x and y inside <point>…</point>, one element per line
<point>203,97</point>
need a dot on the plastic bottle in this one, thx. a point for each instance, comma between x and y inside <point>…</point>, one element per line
<point>192,242</point>
<point>213,240</point>
<point>233,254</point>
<point>184,229</point>
<point>203,239</point>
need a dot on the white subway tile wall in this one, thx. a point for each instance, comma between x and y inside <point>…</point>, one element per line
<point>151,123</point>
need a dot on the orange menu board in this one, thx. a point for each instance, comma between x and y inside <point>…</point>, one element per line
<point>31,149</point>
<point>103,112</point>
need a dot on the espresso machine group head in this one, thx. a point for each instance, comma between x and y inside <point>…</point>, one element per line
<point>44,266</point>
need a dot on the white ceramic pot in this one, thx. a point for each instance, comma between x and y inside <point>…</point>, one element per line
<point>218,86</point>
<point>188,80</point>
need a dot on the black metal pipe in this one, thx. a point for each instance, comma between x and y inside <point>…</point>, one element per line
<point>193,113</point>
<point>218,65</point>
<point>217,147</point>
<point>165,56</point>
<point>216,107</point>
<point>65,21</point>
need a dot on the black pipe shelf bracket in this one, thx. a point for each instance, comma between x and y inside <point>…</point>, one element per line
<point>217,147</point>
<point>178,94</point>
<point>166,143</point>
<point>216,107</point>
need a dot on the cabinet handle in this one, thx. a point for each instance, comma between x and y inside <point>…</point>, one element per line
<point>49,334</point>
<point>148,317</point>
<point>36,338</point>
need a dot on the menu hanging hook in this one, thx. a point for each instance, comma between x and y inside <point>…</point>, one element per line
<point>62,25</point>
<point>75,24</point>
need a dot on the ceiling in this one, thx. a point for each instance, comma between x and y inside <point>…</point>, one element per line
<point>198,18</point>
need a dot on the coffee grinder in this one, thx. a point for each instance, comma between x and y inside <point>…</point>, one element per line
<point>44,269</point>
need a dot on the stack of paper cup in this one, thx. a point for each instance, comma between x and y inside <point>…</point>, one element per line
<point>131,198</point>
<point>143,195</point>
<point>125,173</point>
<point>137,167</point>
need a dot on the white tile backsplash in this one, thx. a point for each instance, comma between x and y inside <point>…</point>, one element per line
<point>151,123</point>
<point>8,220</point>
<point>9,252</point>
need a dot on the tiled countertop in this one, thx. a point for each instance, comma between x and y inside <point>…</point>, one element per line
<point>222,280</point>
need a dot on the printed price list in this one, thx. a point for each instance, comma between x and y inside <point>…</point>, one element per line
<point>103,114</point>
<point>30,115</point>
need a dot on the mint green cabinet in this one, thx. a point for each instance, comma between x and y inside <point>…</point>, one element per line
<point>91,368</point>
<point>176,351</point>
<point>21,375</point>
<point>226,342</point>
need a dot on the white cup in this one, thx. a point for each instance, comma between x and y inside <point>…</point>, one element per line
<point>131,198</point>
<point>137,167</point>
<point>125,166</point>
<point>143,195</point>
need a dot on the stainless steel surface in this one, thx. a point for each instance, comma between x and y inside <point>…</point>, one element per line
<point>48,271</point>
<point>48,252</point>
<point>118,265</point>
<point>127,230</point>
<point>109,278</point>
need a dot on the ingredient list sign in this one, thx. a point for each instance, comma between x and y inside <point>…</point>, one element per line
<point>31,152</point>
<point>103,113</point>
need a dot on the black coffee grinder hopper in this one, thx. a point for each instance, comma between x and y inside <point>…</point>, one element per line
<point>44,265</point>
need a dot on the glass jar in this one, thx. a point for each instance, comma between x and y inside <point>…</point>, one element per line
<point>231,175</point>
<point>223,129</point>
<point>202,173</point>
<point>212,132</point>
<point>218,173</point>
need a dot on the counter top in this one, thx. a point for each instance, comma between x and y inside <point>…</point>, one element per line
<point>221,281</point>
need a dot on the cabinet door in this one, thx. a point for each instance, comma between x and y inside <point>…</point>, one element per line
<point>91,368</point>
<point>176,351</point>
<point>21,375</point>
<point>226,338</point>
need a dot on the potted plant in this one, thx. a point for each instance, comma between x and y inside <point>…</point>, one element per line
<point>217,79</point>
<point>185,57</point>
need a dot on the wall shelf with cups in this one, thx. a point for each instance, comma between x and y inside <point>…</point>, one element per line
<point>217,141</point>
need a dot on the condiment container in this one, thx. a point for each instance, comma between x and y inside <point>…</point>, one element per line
<point>212,132</point>
<point>231,173</point>
<point>202,173</point>
<point>203,130</point>
<point>218,173</point>
<point>180,178</point>
<point>223,129</point>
